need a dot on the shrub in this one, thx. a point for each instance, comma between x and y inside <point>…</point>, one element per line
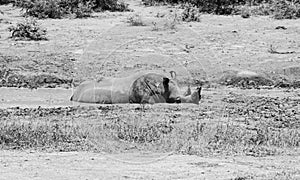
<point>82,10</point>
<point>156,2</point>
<point>62,8</point>
<point>190,13</point>
<point>172,20</point>
<point>54,8</point>
<point>216,6</point>
<point>135,20</point>
<point>207,6</point>
<point>28,30</point>
<point>5,2</point>
<point>111,5</point>
<point>261,9</point>
<point>245,12</point>
<point>284,9</point>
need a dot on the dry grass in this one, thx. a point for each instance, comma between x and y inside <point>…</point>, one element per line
<point>116,129</point>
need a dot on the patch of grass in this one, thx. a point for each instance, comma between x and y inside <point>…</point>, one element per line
<point>28,30</point>
<point>42,135</point>
<point>115,129</point>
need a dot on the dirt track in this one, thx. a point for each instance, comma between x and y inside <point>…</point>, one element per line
<point>78,165</point>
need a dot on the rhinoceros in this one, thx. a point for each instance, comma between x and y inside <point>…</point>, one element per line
<point>137,88</point>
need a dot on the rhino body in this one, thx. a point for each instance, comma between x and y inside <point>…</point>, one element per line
<point>137,88</point>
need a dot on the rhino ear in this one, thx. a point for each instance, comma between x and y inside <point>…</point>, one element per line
<point>166,81</point>
<point>173,74</point>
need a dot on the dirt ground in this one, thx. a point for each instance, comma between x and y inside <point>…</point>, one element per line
<point>84,165</point>
<point>107,45</point>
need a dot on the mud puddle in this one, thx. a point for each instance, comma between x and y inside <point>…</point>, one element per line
<point>59,97</point>
<point>44,97</point>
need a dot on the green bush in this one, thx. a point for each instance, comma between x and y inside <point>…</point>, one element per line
<point>28,30</point>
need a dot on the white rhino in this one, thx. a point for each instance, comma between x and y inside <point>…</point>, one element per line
<point>138,88</point>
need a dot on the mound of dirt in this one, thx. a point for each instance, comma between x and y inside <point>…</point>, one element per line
<point>288,77</point>
<point>286,82</point>
<point>293,71</point>
<point>245,79</point>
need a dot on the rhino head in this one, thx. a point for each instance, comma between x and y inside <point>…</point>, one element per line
<point>156,88</point>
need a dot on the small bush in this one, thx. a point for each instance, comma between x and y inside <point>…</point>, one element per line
<point>190,13</point>
<point>172,20</point>
<point>135,20</point>
<point>245,12</point>
<point>82,10</point>
<point>155,27</point>
<point>28,30</point>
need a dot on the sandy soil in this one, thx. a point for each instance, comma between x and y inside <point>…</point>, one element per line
<point>106,45</point>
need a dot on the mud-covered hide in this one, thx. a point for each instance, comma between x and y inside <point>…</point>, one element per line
<point>153,88</point>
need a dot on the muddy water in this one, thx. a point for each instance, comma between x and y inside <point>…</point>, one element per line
<point>55,97</point>
<point>44,97</point>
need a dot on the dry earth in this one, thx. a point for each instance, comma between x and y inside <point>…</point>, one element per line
<point>106,45</point>
<point>84,165</point>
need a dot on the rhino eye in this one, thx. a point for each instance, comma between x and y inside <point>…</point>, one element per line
<point>178,100</point>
